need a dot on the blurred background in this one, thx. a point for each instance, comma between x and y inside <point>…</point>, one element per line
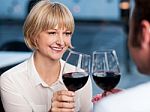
<point>100,24</point>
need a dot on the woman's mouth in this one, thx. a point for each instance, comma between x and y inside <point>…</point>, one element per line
<point>57,49</point>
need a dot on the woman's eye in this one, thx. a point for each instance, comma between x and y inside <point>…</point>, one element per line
<point>52,33</point>
<point>68,33</point>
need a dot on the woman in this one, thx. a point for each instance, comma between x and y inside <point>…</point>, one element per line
<point>36,84</point>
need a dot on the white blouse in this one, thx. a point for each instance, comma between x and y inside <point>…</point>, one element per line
<point>22,90</point>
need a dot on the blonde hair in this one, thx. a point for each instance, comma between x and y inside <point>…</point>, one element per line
<point>43,16</point>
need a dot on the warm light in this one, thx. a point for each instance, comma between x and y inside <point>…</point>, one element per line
<point>124,5</point>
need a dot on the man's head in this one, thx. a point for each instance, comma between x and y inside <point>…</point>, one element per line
<point>139,35</point>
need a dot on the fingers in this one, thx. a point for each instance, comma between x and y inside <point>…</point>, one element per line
<point>62,106</point>
<point>113,91</point>
<point>116,90</point>
<point>65,92</point>
<point>97,98</point>
<point>62,110</point>
<point>64,96</point>
<point>67,105</point>
<point>63,101</point>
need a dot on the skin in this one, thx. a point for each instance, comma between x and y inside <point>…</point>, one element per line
<point>50,46</point>
<point>141,54</point>
<point>63,101</point>
<point>53,43</point>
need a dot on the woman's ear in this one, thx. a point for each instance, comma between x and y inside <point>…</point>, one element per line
<point>145,39</point>
<point>35,41</point>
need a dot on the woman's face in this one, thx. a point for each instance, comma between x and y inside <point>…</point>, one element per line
<point>53,42</point>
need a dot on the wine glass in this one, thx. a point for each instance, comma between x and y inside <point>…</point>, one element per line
<point>105,70</point>
<point>75,73</point>
<point>76,70</point>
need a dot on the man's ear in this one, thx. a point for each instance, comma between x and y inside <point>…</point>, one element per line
<point>145,27</point>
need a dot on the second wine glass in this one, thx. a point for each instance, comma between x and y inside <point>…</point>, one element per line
<point>105,70</point>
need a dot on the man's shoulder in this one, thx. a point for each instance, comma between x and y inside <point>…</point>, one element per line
<point>132,93</point>
<point>140,89</point>
<point>127,100</point>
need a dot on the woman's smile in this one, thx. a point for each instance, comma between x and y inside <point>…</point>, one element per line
<point>56,49</point>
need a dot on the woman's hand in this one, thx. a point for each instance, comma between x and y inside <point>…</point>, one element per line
<point>63,101</point>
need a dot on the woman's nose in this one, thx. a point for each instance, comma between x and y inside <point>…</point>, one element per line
<point>60,39</point>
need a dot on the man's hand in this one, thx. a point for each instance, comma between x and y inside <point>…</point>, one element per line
<point>100,96</point>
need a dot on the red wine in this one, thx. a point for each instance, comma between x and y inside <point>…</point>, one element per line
<point>106,80</point>
<point>74,81</point>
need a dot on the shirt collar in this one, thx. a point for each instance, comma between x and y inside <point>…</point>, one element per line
<point>33,74</point>
<point>35,77</point>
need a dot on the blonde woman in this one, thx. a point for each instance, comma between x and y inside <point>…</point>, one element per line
<point>36,84</point>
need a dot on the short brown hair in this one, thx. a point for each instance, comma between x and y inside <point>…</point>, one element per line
<point>46,15</point>
<point>141,12</point>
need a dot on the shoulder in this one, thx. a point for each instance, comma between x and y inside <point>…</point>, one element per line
<point>10,75</point>
<point>124,101</point>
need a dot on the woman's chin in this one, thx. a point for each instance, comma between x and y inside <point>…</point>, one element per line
<point>56,56</point>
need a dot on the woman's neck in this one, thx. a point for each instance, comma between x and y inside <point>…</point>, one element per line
<point>48,70</point>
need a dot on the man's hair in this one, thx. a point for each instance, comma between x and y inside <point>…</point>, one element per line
<point>141,12</point>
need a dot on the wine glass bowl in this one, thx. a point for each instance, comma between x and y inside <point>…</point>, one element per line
<point>105,69</point>
<point>106,80</point>
<point>76,70</point>
<point>75,80</point>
